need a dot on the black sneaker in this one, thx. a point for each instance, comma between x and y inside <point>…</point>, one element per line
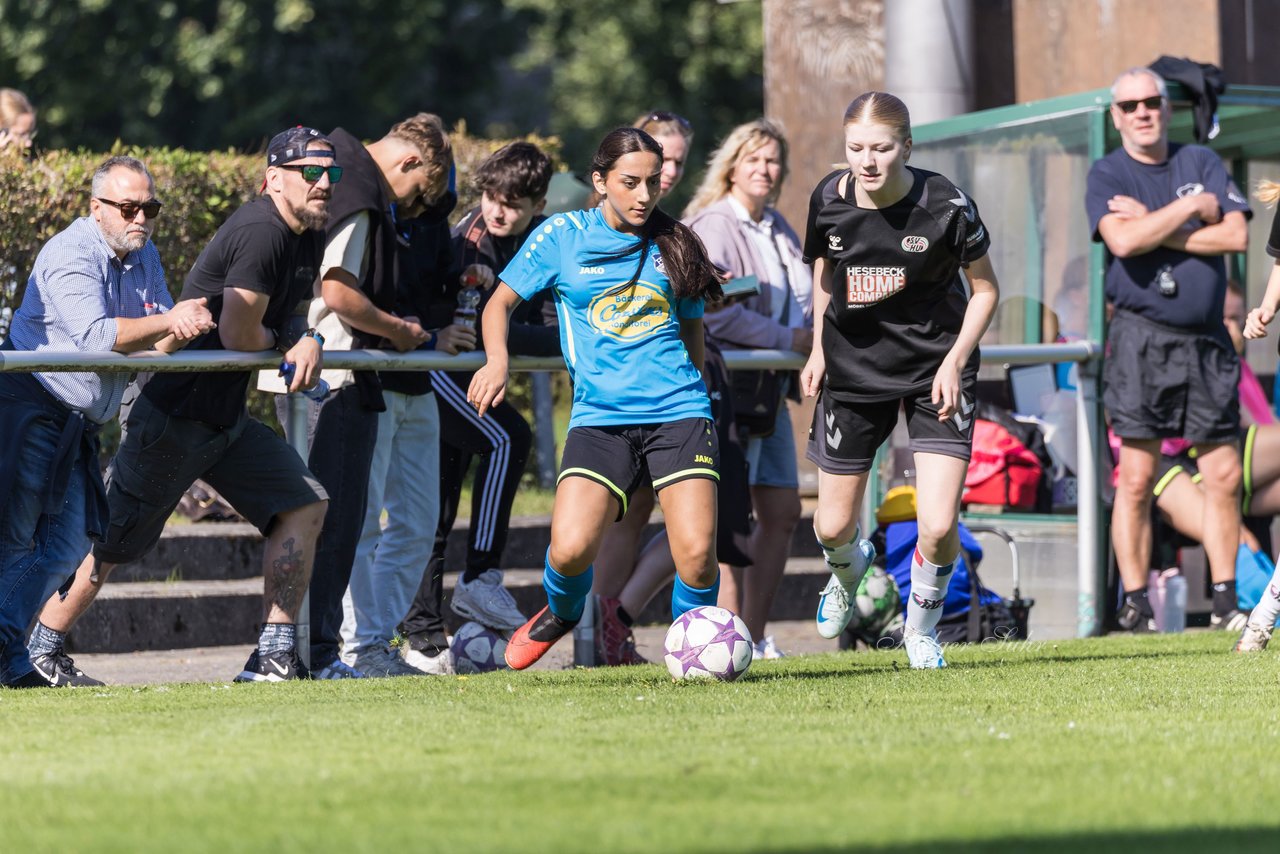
<point>274,667</point>
<point>1232,621</point>
<point>1131,619</point>
<point>32,679</point>
<point>60,671</point>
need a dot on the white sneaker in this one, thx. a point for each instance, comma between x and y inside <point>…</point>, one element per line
<point>1253,638</point>
<point>433,665</point>
<point>338,670</point>
<point>487,602</point>
<point>835,604</point>
<point>924,652</point>
<point>766,649</point>
<point>379,661</point>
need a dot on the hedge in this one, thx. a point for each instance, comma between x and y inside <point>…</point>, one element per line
<point>41,196</point>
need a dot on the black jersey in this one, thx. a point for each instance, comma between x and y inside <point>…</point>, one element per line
<point>897,297</point>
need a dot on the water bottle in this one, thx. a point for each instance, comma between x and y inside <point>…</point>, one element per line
<point>468,299</point>
<point>317,392</point>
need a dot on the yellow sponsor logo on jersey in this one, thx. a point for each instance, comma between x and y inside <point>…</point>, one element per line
<point>703,458</point>
<point>630,313</point>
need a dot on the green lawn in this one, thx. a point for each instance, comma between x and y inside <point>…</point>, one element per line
<point>1118,744</point>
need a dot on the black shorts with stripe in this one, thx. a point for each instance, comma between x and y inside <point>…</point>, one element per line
<point>621,458</point>
<point>844,437</point>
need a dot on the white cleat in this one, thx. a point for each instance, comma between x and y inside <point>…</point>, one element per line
<point>1253,638</point>
<point>924,652</point>
<point>835,603</point>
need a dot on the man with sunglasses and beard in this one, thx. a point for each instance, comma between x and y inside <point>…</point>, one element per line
<point>1168,213</point>
<point>256,274</point>
<point>96,286</point>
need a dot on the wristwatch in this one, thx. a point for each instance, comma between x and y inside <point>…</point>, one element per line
<point>316,335</point>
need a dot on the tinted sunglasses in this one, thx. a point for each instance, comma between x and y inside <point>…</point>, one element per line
<point>311,174</point>
<point>129,210</point>
<point>663,116</point>
<point>1155,102</point>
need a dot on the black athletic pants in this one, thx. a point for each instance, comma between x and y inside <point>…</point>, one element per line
<point>502,439</point>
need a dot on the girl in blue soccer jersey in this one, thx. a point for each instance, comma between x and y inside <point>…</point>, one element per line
<point>895,324</point>
<point>629,284</point>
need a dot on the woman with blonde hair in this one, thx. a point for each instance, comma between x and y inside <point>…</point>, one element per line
<point>897,325</point>
<point>732,211</point>
<point>17,120</point>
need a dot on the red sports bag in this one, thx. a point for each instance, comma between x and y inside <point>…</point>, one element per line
<point>1002,470</point>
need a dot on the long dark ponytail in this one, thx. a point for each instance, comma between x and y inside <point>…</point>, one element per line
<point>691,272</point>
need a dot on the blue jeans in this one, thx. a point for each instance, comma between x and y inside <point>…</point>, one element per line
<point>404,479</point>
<point>39,552</point>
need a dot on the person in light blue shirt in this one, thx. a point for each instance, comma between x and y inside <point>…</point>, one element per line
<point>629,284</point>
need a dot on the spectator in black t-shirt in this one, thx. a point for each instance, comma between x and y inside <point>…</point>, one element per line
<point>259,267</point>
<point>1167,214</point>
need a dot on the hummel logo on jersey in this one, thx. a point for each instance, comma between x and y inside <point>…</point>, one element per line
<point>964,415</point>
<point>962,201</point>
<point>834,243</point>
<point>914,243</point>
<point>834,436</point>
<point>870,285</point>
<point>591,271</point>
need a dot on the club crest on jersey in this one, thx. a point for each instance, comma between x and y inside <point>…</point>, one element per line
<point>914,243</point>
<point>659,264</point>
<point>635,312</point>
<point>869,285</point>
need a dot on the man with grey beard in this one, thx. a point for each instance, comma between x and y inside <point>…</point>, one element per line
<point>257,271</point>
<point>97,286</point>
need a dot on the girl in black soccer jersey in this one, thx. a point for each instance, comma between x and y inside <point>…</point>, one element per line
<point>895,323</point>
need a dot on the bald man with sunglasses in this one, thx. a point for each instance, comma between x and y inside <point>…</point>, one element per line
<point>97,286</point>
<point>1168,214</point>
<point>257,276</point>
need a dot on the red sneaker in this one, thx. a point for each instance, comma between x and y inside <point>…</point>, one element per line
<point>532,640</point>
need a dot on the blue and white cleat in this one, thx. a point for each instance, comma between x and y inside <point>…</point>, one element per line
<point>924,652</point>
<point>836,603</point>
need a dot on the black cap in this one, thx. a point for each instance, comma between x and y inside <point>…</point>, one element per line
<point>291,144</point>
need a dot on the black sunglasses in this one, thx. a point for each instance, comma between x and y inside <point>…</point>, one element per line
<point>663,116</point>
<point>1155,102</point>
<point>129,210</point>
<point>311,173</point>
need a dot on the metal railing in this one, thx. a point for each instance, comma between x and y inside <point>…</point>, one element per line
<point>1086,353</point>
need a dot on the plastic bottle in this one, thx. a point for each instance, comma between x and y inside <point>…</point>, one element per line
<point>317,392</point>
<point>468,299</point>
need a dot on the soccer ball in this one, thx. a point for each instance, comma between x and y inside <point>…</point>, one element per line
<point>478,649</point>
<point>708,643</point>
<point>876,603</point>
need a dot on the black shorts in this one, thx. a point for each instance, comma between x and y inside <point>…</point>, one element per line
<point>160,456</point>
<point>621,458</point>
<point>1163,383</point>
<point>844,437</point>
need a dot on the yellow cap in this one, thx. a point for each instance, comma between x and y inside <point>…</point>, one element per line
<point>899,505</point>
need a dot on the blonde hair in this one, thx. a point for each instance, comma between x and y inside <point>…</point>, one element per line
<point>661,123</point>
<point>740,142</point>
<point>1267,192</point>
<point>13,104</point>
<point>880,108</point>
<point>426,133</point>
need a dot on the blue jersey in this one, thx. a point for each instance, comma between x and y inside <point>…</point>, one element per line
<point>621,342</point>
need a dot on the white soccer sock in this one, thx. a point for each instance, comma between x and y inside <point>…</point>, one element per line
<point>928,590</point>
<point>1268,607</point>
<point>847,562</point>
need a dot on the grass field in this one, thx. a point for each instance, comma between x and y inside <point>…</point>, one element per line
<point>1117,744</point>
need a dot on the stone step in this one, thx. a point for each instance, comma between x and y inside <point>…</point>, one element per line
<point>219,551</point>
<point>153,615</point>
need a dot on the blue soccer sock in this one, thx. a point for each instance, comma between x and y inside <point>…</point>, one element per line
<point>929,583</point>
<point>686,598</point>
<point>566,594</point>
